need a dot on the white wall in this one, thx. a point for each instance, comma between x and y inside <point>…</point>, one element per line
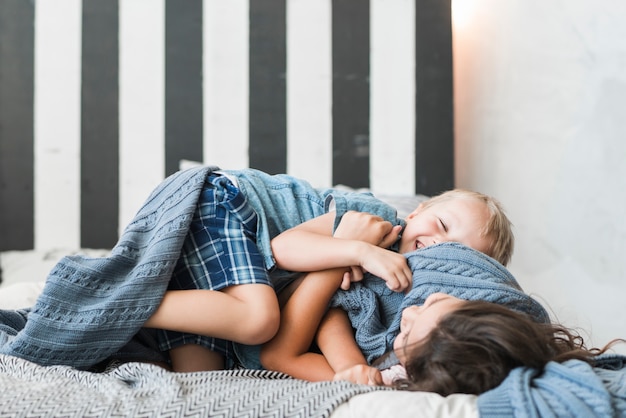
<point>540,120</point>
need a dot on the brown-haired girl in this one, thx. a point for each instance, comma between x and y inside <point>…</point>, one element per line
<point>449,345</point>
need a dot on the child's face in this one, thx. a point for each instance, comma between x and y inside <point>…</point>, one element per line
<point>418,321</point>
<point>456,220</point>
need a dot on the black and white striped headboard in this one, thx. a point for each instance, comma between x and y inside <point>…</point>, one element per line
<point>101,99</point>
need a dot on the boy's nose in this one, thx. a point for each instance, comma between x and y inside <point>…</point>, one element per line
<point>438,238</point>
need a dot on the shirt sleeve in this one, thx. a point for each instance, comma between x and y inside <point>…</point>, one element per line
<point>342,202</point>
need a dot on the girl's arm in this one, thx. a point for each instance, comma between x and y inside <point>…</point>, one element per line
<point>288,351</point>
<point>361,374</point>
<point>335,338</point>
<point>360,240</point>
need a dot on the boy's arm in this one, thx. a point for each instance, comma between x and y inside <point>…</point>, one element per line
<point>288,351</point>
<point>360,240</point>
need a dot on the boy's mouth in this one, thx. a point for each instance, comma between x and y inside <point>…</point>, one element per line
<point>419,245</point>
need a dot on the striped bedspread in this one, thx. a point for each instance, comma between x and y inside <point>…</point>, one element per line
<point>139,389</point>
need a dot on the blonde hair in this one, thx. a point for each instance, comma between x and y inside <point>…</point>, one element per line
<point>498,228</point>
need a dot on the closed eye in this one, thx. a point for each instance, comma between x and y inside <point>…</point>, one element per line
<point>443,225</point>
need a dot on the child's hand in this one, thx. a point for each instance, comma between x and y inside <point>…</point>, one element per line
<point>388,265</point>
<point>361,374</point>
<point>363,226</point>
<point>354,274</point>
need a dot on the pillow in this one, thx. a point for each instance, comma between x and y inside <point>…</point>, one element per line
<point>403,404</point>
<point>405,204</point>
<point>20,295</point>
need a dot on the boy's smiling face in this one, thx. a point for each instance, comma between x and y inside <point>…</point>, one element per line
<point>461,220</point>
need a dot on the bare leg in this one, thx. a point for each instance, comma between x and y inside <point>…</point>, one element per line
<point>286,293</point>
<point>247,314</point>
<point>192,358</point>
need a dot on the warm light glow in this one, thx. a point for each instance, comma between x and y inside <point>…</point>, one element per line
<point>462,11</point>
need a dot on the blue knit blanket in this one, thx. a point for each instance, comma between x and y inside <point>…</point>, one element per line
<point>91,307</point>
<point>573,389</point>
<point>375,311</point>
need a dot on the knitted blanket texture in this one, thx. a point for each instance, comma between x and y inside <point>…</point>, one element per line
<point>573,389</point>
<point>91,307</point>
<point>452,268</point>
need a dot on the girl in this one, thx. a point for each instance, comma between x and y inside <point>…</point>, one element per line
<point>453,346</point>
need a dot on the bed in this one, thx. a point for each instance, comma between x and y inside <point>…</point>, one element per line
<point>297,86</point>
<point>142,389</point>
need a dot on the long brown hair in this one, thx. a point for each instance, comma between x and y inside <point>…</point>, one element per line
<point>473,349</point>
